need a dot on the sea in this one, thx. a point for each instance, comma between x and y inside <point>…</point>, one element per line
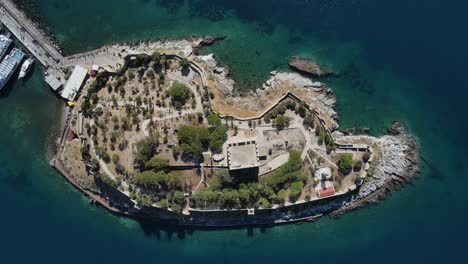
<point>395,60</point>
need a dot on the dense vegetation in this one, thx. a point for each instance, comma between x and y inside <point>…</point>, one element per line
<point>227,192</point>
<point>194,140</point>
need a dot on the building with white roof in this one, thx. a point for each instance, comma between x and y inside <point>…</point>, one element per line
<point>74,83</point>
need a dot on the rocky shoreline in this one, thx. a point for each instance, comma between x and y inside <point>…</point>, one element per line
<point>399,164</point>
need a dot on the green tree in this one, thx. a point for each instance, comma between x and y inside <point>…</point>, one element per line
<point>282,195</point>
<point>157,164</point>
<point>309,121</point>
<point>146,149</point>
<point>178,198</point>
<point>115,159</point>
<point>214,120</point>
<point>184,62</point>
<point>345,163</point>
<point>296,190</point>
<point>218,137</point>
<point>106,180</point>
<point>263,203</point>
<point>230,197</point>
<point>179,94</point>
<point>281,121</point>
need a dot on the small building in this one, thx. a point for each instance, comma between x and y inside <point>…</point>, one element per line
<point>326,192</point>
<point>74,83</point>
<point>53,82</point>
<point>242,154</point>
<point>94,70</point>
<point>323,174</point>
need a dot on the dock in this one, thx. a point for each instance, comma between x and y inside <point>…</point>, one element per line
<point>47,53</point>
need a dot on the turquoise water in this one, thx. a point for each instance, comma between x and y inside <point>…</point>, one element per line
<point>396,60</point>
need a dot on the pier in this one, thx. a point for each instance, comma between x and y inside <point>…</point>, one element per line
<point>48,54</point>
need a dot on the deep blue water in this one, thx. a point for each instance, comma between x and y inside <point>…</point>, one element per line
<point>396,59</point>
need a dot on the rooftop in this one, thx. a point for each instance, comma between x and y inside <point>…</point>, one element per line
<point>74,83</point>
<point>242,154</point>
<point>326,192</point>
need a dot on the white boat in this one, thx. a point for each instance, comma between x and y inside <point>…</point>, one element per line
<point>9,65</point>
<point>25,67</point>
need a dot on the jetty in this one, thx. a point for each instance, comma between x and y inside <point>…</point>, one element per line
<point>47,53</point>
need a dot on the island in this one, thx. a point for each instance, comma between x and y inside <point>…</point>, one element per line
<point>155,130</point>
<point>164,137</point>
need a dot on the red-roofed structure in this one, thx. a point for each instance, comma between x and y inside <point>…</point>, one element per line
<point>329,191</point>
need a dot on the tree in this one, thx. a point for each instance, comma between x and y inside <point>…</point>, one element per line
<point>263,203</point>
<point>178,198</point>
<point>218,137</point>
<point>296,190</point>
<point>115,159</point>
<point>158,180</point>
<point>157,164</point>
<point>345,163</point>
<point>179,94</point>
<point>282,194</point>
<point>301,110</point>
<point>184,62</point>
<point>85,152</point>
<point>106,180</point>
<point>155,57</point>
<point>214,120</point>
<point>94,166</point>
<point>309,121</point>
<point>281,121</point>
<point>146,149</point>
<point>357,166</point>
<point>230,197</point>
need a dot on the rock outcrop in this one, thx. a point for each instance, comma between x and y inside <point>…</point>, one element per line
<point>307,66</point>
<point>398,163</point>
